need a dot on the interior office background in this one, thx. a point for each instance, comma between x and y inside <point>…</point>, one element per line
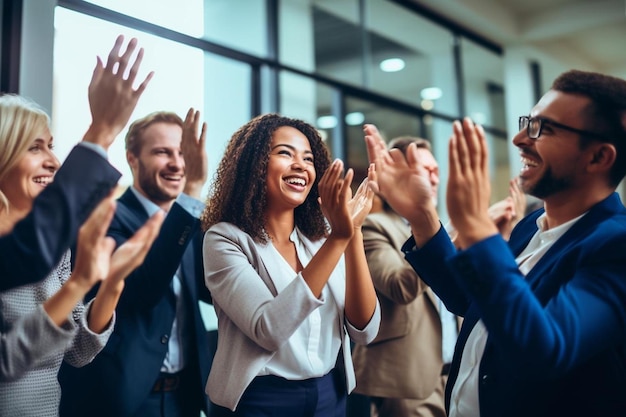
<point>411,67</point>
<point>319,60</point>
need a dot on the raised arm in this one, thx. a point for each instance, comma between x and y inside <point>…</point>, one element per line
<point>37,242</point>
<point>394,174</point>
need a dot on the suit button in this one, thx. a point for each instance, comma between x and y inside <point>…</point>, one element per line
<point>484,379</point>
<point>164,339</point>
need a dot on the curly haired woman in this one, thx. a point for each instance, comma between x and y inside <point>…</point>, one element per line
<point>285,264</point>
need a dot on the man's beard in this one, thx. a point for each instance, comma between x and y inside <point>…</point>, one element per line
<point>150,186</point>
<point>547,185</point>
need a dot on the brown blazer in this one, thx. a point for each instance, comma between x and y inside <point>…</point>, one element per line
<point>404,361</point>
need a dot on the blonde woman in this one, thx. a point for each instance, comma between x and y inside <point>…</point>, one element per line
<point>44,323</point>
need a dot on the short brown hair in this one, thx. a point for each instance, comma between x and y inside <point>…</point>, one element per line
<point>136,129</point>
<point>606,114</point>
<point>403,142</point>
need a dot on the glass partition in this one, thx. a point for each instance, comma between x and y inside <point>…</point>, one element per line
<point>237,24</point>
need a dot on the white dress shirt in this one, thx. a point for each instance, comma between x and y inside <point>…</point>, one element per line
<point>175,358</point>
<point>312,349</point>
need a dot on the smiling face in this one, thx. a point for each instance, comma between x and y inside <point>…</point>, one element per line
<point>290,169</point>
<point>159,167</point>
<point>553,164</point>
<point>34,171</point>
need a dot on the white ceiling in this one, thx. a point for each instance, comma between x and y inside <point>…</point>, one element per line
<point>587,34</point>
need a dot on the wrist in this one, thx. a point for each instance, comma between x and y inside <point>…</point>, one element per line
<point>100,136</point>
<point>474,234</point>
<point>112,286</point>
<point>193,189</point>
<point>77,284</point>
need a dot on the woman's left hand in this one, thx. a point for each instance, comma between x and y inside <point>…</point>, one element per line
<point>361,204</point>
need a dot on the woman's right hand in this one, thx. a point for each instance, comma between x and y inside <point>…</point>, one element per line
<point>93,247</point>
<point>335,195</point>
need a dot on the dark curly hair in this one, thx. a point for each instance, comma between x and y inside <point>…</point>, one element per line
<point>238,194</point>
<point>606,114</point>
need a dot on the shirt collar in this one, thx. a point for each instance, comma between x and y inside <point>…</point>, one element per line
<point>148,205</point>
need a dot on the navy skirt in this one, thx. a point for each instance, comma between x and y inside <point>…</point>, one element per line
<point>274,396</point>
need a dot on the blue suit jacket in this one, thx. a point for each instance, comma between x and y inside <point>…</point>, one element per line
<point>37,242</point>
<point>121,377</point>
<point>557,337</point>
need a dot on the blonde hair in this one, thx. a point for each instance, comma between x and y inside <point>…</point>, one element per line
<point>21,120</point>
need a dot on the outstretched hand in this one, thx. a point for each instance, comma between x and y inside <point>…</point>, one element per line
<point>194,152</point>
<point>94,248</point>
<point>112,97</point>
<point>469,186</point>
<point>132,253</point>
<point>404,183</point>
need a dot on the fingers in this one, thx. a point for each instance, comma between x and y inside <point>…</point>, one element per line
<point>98,221</point>
<point>454,165</point>
<point>149,231</point>
<point>376,147</point>
<point>125,58</point>
<point>372,178</point>
<point>97,71</point>
<point>345,192</point>
<point>329,187</point>
<point>468,153</point>
<point>132,74</point>
<point>144,84</point>
<point>114,53</point>
<point>462,148</point>
<point>483,152</point>
<point>203,135</point>
<point>133,252</point>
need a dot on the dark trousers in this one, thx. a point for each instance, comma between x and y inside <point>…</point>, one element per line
<point>172,396</point>
<point>272,396</point>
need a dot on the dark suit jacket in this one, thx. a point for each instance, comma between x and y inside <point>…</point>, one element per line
<point>557,337</point>
<point>121,377</point>
<point>37,242</point>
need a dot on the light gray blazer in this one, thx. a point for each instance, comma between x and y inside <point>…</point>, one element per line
<point>253,320</point>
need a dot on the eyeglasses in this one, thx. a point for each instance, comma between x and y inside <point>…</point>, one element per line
<point>533,126</point>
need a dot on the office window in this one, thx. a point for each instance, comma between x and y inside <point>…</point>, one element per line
<point>381,48</point>
<point>390,122</point>
<point>218,87</point>
<point>483,77</point>
<point>239,24</point>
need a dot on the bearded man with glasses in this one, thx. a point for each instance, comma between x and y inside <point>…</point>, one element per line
<point>544,330</point>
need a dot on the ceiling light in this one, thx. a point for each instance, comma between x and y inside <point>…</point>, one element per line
<point>431,93</point>
<point>427,104</point>
<point>392,65</point>
<point>326,122</point>
<point>355,118</point>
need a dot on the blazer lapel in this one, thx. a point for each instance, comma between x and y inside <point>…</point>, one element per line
<point>536,276</point>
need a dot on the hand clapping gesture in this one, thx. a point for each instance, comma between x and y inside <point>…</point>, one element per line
<point>403,183</point>
<point>343,211</point>
<point>469,186</point>
<point>194,152</point>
